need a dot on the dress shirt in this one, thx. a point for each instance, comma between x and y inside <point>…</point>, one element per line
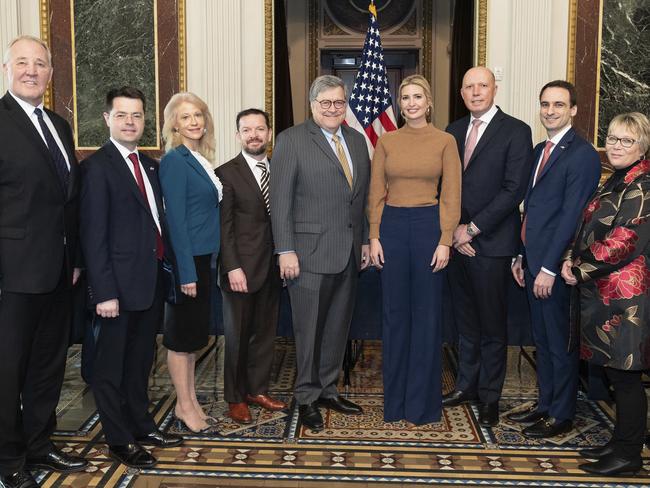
<point>29,110</point>
<point>486,118</point>
<point>150,196</point>
<point>252,164</point>
<point>339,132</point>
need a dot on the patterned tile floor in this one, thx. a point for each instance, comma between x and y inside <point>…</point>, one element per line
<point>350,451</point>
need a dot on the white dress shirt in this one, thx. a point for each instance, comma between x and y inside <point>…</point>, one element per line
<point>147,185</point>
<point>486,118</point>
<point>339,133</point>
<point>29,110</point>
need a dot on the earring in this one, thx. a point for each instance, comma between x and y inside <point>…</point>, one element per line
<point>428,110</point>
<point>205,130</point>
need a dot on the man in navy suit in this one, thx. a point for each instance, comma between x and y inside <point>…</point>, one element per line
<point>124,236</point>
<point>39,196</point>
<point>567,170</point>
<point>496,150</point>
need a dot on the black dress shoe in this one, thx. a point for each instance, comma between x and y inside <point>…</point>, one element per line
<point>597,452</point>
<point>19,479</point>
<point>488,414</point>
<point>310,416</point>
<point>133,455</point>
<point>528,416</point>
<point>612,465</point>
<point>548,427</point>
<point>160,439</point>
<point>340,404</point>
<point>456,397</point>
<point>57,460</point>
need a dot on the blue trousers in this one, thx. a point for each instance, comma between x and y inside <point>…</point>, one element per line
<point>557,367</point>
<point>411,320</point>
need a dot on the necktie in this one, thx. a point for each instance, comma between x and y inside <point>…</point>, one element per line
<point>470,143</point>
<point>342,159</point>
<point>264,184</point>
<point>60,165</point>
<point>160,248</point>
<point>540,168</point>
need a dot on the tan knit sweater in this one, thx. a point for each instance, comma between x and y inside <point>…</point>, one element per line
<point>406,168</point>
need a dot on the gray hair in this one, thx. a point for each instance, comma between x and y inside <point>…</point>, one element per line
<point>323,83</point>
<point>41,42</point>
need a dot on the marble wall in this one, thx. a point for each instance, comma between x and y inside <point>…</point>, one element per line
<point>114,46</point>
<point>624,61</point>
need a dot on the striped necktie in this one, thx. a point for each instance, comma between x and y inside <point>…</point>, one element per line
<point>58,159</point>
<point>264,184</point>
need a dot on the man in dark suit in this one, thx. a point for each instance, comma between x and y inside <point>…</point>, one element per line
<point>496,150</point>
<point>123,236</point>
<point>250,278</point>
<point>39,179</point>
<point>567,170</point>
<point>319,187</point>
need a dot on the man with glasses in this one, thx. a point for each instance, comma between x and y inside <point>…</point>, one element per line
<point>124,240</point>
<point>319,186</point>
<point>567,169</point>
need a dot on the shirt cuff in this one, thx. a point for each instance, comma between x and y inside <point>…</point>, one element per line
<point>548,272</point>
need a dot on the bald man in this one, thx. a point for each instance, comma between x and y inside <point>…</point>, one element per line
<point>496,154</point>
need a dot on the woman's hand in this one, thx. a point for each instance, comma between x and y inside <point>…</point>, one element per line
<point>376,254</point>
<point>440,258</point>
<point>567,274</point>
<point>189,289</point>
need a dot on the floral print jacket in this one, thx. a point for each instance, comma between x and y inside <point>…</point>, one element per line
<point>612,264</point>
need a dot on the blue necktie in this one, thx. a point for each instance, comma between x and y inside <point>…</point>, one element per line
<point>58,159</point>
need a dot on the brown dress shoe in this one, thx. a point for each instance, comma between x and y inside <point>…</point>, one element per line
<point>239,413</point>
<point>266,402</point>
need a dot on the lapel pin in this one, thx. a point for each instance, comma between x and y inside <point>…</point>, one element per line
<point>562,147</point>
<point>151,168</point>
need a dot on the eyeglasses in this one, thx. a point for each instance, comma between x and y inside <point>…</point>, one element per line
<point>325,104</point>
<point>625,141</point>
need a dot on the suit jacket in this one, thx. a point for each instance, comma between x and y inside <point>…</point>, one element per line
<point>494,182</point>
<point>313,209</point>
<point>554,205</point>
<point>192,210</point>
<point>246,237</point>
<point>118,231</point>
<point>38,218</point>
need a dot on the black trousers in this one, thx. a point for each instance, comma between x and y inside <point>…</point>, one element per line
<point>479,287</point>
<point>124,354</point>
<point>631,412</point>
<point>34,332</point>
<point>250,321</point>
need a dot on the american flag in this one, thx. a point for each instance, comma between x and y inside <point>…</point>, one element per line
<point>370,109</point>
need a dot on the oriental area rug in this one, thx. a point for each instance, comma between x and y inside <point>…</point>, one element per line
<point>276,451</point>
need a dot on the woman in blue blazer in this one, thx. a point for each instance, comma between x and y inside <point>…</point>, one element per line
<point>191,193</point>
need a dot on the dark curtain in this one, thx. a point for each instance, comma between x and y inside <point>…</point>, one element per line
<point>282,80</point>
<point>461,55</point>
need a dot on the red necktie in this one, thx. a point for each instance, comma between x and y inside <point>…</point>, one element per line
<point>160,249</point>
<point>540,168</point>
<point>470,144</point>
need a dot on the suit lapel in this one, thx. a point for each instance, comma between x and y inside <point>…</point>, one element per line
<point>557,153</point>
<point>492,128</point>
<point>321,141</point>
<point>21,119</point>
<point>196,166</point>
<point>74,168</point>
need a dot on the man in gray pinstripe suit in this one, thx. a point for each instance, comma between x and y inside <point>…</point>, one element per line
<point>319,186</point>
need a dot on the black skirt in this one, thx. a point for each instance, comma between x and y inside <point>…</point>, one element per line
<point>187,324</point>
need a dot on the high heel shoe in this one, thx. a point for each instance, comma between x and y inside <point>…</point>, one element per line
<point>180,425</point>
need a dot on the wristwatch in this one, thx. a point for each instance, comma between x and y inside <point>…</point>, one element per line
<point>471,229</point>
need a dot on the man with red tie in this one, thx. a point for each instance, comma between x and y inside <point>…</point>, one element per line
<point>567,169</point>
<point>123,236</point>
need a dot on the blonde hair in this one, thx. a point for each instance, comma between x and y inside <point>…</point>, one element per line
<point>173,139</point>
<point>422,82</point>
<point>38,41</point>
<point>636,123</point>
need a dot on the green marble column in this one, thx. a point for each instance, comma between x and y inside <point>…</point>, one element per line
<point>115,45</point>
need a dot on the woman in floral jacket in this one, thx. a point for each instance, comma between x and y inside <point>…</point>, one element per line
<point>610,262</point>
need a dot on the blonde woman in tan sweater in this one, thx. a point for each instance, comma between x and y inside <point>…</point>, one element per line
<point>413,209</point>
